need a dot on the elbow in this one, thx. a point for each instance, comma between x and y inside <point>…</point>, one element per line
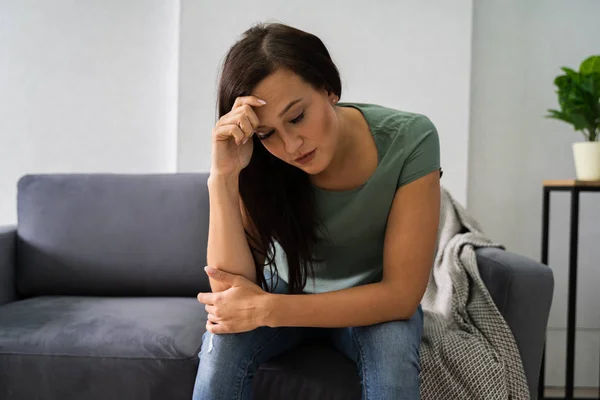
<point>408,311</point>
<point>403,312</point>
<point>403,305</point>
<point>218,286</point>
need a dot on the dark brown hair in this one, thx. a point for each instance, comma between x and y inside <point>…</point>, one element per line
<point>278,197</point>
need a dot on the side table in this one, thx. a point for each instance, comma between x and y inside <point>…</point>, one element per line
<point>574,187</point>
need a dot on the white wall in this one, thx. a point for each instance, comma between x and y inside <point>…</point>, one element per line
<point>414,56</point>
<point>518,48</point>
<point>86,87</point>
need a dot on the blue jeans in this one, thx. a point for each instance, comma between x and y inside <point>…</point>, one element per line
<point>386,356</point>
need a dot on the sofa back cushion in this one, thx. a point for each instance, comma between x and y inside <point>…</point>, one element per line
<point>112,234</point>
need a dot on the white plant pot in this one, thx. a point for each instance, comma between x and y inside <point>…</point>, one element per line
<point>587,160</point>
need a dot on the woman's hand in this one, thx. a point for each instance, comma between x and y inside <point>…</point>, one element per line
<point>232,134</point>
<point>241,308</point>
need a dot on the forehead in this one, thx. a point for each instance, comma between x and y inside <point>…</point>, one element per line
<point>281,86</point>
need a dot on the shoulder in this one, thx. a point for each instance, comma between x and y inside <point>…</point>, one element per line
<point>406,126</point>
<point>392,124</point>
<point>404,131</point>
<point>401,136</point>
<point>408,142</point>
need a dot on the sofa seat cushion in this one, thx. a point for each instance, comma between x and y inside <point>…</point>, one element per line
<point>64,347</point>
<point>99,347</point>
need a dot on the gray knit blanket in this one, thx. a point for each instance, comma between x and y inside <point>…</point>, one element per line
<point>467,351</point>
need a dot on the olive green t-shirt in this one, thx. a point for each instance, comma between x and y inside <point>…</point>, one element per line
<point>354,221</point>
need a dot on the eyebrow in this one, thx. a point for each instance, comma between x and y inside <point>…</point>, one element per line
<point>284,110</point>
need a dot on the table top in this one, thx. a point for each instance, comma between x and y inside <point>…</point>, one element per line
<point>571,182</point>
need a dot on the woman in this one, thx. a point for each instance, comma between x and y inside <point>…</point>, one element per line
<point>340,203</point>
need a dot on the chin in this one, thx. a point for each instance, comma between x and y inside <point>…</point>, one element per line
<point>311,170</point>
<point>314,168</point>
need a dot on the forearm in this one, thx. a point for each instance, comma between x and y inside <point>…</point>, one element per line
<point>357,306</point>
<point>228,248</point>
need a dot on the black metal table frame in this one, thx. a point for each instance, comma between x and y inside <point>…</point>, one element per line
<point>574,190</point>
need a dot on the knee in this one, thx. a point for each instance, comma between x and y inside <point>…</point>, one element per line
<point>223,349</point>
<point>223,359</point>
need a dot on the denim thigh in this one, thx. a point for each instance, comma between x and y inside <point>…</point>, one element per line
<point>386,356</point>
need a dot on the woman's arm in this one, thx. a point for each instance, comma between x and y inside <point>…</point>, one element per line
<point>409,249</point>
<point>228,248</point>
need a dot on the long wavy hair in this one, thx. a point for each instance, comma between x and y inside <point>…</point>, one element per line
<point>277,197</point>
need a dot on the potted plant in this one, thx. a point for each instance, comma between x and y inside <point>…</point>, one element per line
<point>579,100</point>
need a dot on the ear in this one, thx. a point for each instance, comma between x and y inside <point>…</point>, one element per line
<point>333,98</point>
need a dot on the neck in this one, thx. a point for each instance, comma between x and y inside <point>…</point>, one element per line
<point>345,150</point>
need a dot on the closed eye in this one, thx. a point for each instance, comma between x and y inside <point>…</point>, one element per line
<point>298,118</point>
<point>295,121</point>
<point>264,136</point>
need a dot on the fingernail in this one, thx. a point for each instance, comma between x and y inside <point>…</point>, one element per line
<point>262,101</point>
<point>209,270</point>
<point>245,141</point>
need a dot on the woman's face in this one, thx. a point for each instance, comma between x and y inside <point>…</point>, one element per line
<point>299,124</point>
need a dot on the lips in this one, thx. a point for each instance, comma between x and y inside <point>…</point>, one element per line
<point>305,157</point>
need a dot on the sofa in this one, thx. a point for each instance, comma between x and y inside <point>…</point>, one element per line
<point>98,284</point>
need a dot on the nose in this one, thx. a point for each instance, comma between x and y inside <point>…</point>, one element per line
<point>291,142</point>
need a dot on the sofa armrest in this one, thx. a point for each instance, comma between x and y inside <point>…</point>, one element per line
<point>522,290</point>
<point>8,250</point>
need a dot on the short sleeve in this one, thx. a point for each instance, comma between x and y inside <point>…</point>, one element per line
<point>423,149</point>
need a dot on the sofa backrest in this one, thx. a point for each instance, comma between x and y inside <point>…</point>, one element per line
<point>112,234</point>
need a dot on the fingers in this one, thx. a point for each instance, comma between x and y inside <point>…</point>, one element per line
<point>242,111</point>
<point>220,275</point>
<point>213,319</point>
<point>229,131</point>
<point>215,328</point>
<point>207,298</point>
<point>211,309</point>
<point>246,127</point>
<point>250,100</point>
<point>241,122</point>
<point>251,115</point>
<point>244,117</point>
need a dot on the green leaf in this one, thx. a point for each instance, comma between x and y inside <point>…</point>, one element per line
<point>574,75</point>
<point>595,78</point>
<point>579,96</point>
<point>590,65</point>
<point>563,82</point>
<point>580,121</point>
<point>588,84</point>
<point>559,115</point>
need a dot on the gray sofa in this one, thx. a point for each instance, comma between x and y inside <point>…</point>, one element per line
<point>97,296</point>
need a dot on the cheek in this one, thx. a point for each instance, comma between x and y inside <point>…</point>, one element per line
<point>276,147</point>
<point>323,126</point>
<point>273,147</point>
